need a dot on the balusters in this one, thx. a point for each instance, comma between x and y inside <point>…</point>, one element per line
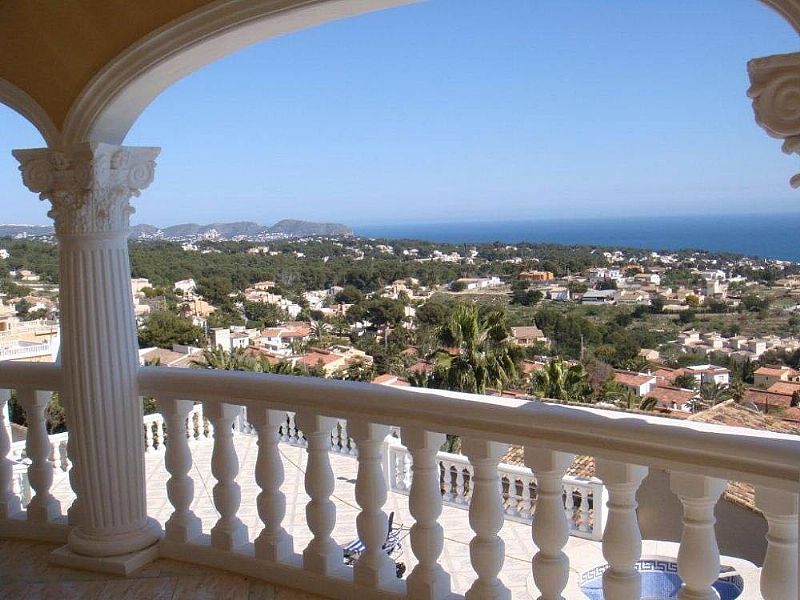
<point>229,532</point>
<point>43,506</point>
<point>487,549</point>
<point>569,505</point>
<point>622,539</point>
<point>373,568</point>
<point>698,556</point>
<point>460,494</point>
<point>183,524</point>
<point>322,555</point>
<point>400,470</point>
<point>148,437</point>
<point>550,530</point>
<point>273,543</point>
<point>585,524</point>
<point>73,512</point>
<point>160,434</point>
<point>9,502</point>
<point>779,575</point>
<point>428,580</point>
<point>524,506</point>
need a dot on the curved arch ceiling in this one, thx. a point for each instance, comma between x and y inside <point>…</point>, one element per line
<point>88,68</point>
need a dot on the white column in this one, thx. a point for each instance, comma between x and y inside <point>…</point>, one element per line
<point>273,543</point>
<point>428,580</point>
<point>229,531</point>
<point>89,186</point>
<point>779,574</point>
<point>43,506</point>
<point>622,539</point>
<point>322,555</point>
<point>183,524</point>
<point>698,556</point>
<point>373,568</point>
<point>550,529</point>
<point>9,502</point>
<point>486,517</point>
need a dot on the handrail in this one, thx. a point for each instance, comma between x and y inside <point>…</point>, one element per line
<point>712,450</point>
<point>41,376</point>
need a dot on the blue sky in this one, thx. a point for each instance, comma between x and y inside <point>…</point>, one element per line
<point>466,110</point>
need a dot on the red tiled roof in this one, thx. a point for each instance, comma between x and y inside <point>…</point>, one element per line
<point>632,379</point>
<point>668,395</point>
<point>784,388</point>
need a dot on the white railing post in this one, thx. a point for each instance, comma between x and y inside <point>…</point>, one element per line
<point>322,555</point>
<point>183,524</point>
<point>779,574</point>
<point>43,506</point>
<point>9,502</point>
<point>229,531</point>
<point>428,580</point>
<point>622,539</point>
<point>273,543</point>
<point>373,568</point>
<point>550,529</point>
<point>486,516</point>
<point>698,556</point>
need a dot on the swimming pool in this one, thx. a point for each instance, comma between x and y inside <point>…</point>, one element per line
<point>660,581</point>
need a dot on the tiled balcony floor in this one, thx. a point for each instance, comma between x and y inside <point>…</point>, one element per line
<point>583,554</point>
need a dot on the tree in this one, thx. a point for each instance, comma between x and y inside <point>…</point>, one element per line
<point>320,332</point>
<point>215,289</point>
<point>692,301</point>
<point>264,314</point>
<point>624,397</point>
<point>484,356</point>
<point>657,304</point>
<point>755,303</point>
<point>164,329</point>
<point>22,307</point>
<point>349,295</point>
<point>560,381</point>
<point>218,358</point>
<point>686,381</point>
<point>714,393</point>
<point>383,312</point>
<point>458,286</point>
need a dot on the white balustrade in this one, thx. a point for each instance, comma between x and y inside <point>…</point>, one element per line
<point>229,531</point>
<point>622,540</point>
<point>550,529</point>
<point>428,580</point>
<point>487,549</point>
<point>182,525</point>
<point>322,555</point>
<point>43,506</point>
<point>9,502</point>
<point>273,543</point>
<point>373,568</point>
<point>698,557</point>
<point>779,574</point>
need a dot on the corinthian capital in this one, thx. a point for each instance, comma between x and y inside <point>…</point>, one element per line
<point>89,185</point>
<point>775,90</point>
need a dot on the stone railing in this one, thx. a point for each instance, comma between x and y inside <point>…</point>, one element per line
<point>700,459</point>
<point>518,489</point>
<point>25,350</point>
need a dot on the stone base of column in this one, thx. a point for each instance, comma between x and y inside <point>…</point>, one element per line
<point>124,564</point>
<point>109,546</point>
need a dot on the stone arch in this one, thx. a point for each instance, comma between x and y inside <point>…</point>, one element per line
<point>21,102</point>
<point>119,93</point>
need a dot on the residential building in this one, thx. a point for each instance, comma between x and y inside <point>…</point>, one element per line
<point>600,297</point>
<point>536,276</point>
<point>528,336</point>
<point>186,287</point>
<point>767,375</point>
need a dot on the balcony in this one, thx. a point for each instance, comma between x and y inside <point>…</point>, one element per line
<point>268,477</point>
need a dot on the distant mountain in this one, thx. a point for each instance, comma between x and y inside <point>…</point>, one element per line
<point>25,230</point>
<point>246,230</point>
<point>293,227</point>
<point>241,230</point>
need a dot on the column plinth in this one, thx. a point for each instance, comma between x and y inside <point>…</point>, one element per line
<point>89,186</point>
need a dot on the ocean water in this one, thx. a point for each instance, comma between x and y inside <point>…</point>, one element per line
<point>766,235</point>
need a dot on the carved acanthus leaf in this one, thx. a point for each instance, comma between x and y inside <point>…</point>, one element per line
<point>89,185</point>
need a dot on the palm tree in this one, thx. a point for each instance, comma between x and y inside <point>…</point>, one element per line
<point>715,393</point>
<point>235,360</point>
<point>483,355</point>
<point>319,332</point>
<point>686,381</point>
<point>560,381</point>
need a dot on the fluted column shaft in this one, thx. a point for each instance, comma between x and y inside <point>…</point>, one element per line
<point>89,186</point>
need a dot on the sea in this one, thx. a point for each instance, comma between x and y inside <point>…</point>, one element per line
<point>765,235</point>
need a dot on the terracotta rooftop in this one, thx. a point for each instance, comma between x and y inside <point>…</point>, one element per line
<point>632,379</point>
<point>785,388</point>
<point>668,396</point>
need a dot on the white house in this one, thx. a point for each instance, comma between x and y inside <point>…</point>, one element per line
<point>186,287</point>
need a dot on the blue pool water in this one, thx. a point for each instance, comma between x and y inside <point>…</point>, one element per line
<point>660,581</point>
